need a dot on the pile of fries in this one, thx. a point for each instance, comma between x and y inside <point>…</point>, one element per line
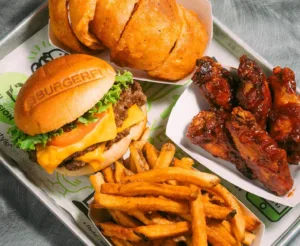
<point>156,199</point>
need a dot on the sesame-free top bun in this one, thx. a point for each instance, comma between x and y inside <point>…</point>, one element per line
<point>61,91</point>
<point>114,153</point>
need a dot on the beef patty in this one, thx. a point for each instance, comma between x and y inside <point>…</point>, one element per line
<point>132,95</point>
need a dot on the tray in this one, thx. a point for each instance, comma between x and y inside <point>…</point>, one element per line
<point>225,39</point>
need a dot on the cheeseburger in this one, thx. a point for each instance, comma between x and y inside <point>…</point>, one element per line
<point>77,116</point>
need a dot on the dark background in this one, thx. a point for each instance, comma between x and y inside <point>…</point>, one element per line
<point>271,27</point>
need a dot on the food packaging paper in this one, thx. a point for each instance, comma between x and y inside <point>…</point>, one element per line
<point>201,7</point>
<point>73,194</point>
<point>177,129</point>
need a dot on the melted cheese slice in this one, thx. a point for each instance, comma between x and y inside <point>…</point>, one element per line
<point>95,158</point>
<point>50,157</point>
<point>135,115</point>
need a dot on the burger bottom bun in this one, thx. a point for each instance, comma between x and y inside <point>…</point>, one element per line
<point>114,153</point>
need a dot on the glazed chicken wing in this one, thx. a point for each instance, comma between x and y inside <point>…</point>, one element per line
<point>215,82</point>
<point>208,131</point>
<point>261,153</point>
<point>253,93</point>
<point>285,115</point>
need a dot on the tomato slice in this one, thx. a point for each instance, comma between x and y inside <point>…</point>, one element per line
<point>68,138</point>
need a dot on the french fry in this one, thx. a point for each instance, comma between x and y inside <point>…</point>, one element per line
<point>178,163</point>
<point>121,171</point>
<point>214,211</point>
<point>153,232</point>
<point>168,242</point>
<point>151,154</point>
<point>188,162</point>
<point>217,200</point>
<point>251,223</point>
<point>249,238</point>
<point>213,199</point>
<point>205,197</point>
<point>132,166</point>
<point>186,217</point>
<point>143,139</point>
<point>165,205</point>
<point>238,221</point>
<point>119,242</point>
<point>179,239</point>
<point>213,237</point>
<point>140,215</point>
<point>227,225</point>
<point>138,159</point>
<point>96,181</point>
<point>147,188</point>
<point>139,203</point>
<point>127,172</point>
<point>172,182</point>
<point>199,236</point>
<point>188,241</point>
<point>123,219</point>
<point>222,232</point>
<point>185,162</point>
<point>150,219</point>
<point>166,156</point>
<point>157,219</point>
<point>143,233</point>
<point>175,173</point>
<point>108,175</point>
<point>116,231</point>
<point>142,243</point>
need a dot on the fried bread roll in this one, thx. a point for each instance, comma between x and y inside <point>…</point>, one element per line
<point>157,36</point>
<point>111,17</point>
<point>190,46</point>
<point>60,26</point>
<point>81,13</point>
<point>149,36</point>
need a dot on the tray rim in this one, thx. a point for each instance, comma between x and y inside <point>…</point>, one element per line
<point>33,27</point>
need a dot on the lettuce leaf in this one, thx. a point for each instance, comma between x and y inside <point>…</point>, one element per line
<point>122,82</point>
<point>27,142</point>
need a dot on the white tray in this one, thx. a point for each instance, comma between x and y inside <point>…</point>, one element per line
<point>225,43</point>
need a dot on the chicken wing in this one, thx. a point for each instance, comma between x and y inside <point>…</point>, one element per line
<point>253,93</point>
<point>208,131</point>
<point>261,153</point>
<point>215,82</point>
<point>285,115</point>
